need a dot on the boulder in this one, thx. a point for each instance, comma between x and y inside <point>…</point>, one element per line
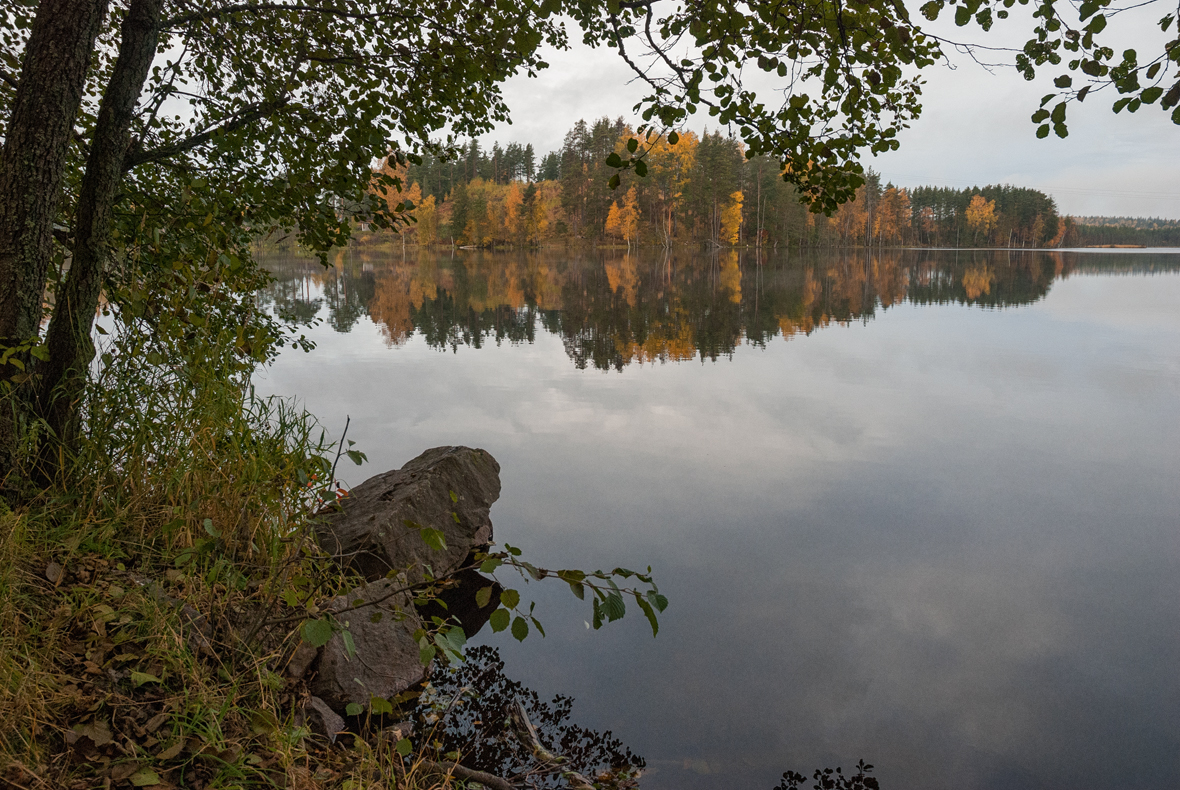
<point>386,660</point>
<point>378,527</point>
<point>378,532</point>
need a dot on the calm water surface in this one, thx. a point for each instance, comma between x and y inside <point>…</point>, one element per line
<point>920,508</point>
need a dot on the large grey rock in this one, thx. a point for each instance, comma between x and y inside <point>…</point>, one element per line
<point>378,526</point>
<point>386,660</point>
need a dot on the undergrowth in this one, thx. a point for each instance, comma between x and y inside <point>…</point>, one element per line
<point>143,624</point>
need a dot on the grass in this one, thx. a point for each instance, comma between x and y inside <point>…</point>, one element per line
<point>146,598</point>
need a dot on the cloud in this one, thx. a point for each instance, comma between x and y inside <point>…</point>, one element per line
<point>975,129</point>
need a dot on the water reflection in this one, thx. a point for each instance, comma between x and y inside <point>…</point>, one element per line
<point>612,310</point>
<point>944,539</point>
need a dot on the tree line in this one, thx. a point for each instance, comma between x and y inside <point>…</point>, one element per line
<point>697,189</point>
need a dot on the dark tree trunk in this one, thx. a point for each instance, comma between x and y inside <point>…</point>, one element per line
<point>37,138</point>
<point>69,339</point>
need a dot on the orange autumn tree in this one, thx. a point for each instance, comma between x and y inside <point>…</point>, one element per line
<point>624,220</point>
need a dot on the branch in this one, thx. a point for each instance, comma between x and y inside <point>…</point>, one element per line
<point>469,775</point>
<point>526,733</point>
<point>248,116</point>
<point>256,7</point>
<point>8,79</point>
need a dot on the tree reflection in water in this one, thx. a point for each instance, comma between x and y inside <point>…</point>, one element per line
<point>613,309</point>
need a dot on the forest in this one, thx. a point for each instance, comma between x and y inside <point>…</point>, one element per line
<point>702,190</point>
<point>1121,232</point>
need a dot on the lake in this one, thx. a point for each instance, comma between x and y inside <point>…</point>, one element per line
<point>916,507</point>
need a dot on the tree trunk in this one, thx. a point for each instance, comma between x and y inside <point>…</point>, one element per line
<point>37,139</point>
<point>69,339</point>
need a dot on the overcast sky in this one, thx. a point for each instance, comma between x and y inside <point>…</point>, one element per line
<point>975,128</point>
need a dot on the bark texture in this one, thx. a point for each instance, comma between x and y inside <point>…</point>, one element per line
<point>36,142</point>
<point>69,339</point>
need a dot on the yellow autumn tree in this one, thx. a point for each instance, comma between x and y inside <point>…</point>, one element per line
<point>731,219</point>
<point>981,216</point>
<point>513,202</point>
<point>427,215</point>
<point>892,216</point>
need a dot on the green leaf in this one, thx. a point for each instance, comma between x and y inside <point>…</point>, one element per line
<point>354,709</point>
<point>404,747</point>
<point>673,138</point>
<point>1151,94</point>
<point>208,524</point>
<point>484,596</point>
<point>537,624</point>
<point>657,600</point>
<point>577,589</point>
<point>641,168</point>
<point>499,620</point>
<point>317,632</point>
<point>426,654</point>
<point>510,599</point>
<point>614,181</point>
<point>650,614</point>
<point>144,777</point>
<point>632,145</point>
<point>139,678</point>
<point>520,629</point>
<point>613,607</point>
<point>962,16</point>
<point>379,706</point>
<point>1064,81</point>
<point>433,538</point>
<point>1042,131</point>
<point>454,497</point>
<point>614,160</point>
<point>490,564</point>
<point>349,644</point>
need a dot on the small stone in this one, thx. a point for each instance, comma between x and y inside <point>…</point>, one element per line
<point>53,572</point>
<point>323,719</point>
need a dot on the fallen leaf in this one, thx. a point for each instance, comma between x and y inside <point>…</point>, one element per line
<point>120,772</point>
<point>154,722</point>
<point>96,731</point>
<point>145,777</point>
<point>171,752</point>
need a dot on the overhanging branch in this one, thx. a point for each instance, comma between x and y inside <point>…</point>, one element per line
<point>248,116</point>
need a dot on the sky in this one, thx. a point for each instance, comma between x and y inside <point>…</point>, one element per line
<point>974,130</point>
